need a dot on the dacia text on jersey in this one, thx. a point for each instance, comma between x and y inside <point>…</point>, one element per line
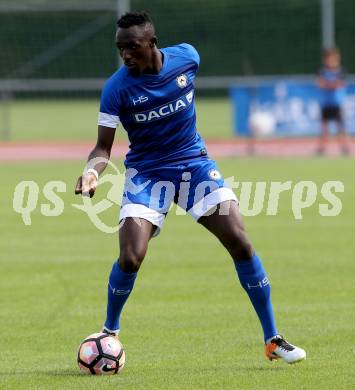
<point>167,109</point>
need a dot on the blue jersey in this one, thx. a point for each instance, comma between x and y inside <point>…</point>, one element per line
<point>157,111</point>
<point>332,97</point>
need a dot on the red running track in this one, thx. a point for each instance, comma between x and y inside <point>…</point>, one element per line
<point>300,147</point>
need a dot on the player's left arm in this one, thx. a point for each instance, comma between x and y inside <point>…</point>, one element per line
<point>97,162</point>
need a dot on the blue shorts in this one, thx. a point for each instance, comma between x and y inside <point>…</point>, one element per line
<point>196,186</point>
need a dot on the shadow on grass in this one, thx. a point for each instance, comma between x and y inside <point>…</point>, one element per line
<point>75,373</point>
<point>65,372</point>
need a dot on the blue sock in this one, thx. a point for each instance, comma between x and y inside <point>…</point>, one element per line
<point>253,278</point>
<point>120,286</point>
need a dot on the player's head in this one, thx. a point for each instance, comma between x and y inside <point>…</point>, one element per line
<point>136,41</point>
<point>331,58</point>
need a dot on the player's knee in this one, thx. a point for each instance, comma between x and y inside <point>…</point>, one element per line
<point>130,260</point>
<point>239,246</point>
<point>243,251</point>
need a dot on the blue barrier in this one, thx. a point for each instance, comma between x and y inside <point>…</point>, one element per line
<point>288,108</point>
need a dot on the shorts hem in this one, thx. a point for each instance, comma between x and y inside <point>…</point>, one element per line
<point>202,207</point>
<point>135,210</point>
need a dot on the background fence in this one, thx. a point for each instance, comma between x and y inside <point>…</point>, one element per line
<point>65,49</point>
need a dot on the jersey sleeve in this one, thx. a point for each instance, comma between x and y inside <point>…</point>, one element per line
<point>191,52</point>
<point>109,115</point>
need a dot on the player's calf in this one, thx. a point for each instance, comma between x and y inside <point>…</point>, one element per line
<point>238,245</point>
<point>120,286</point>
<point>130,260</point>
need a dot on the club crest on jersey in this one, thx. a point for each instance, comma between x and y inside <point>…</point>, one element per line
<point>214,174</point>
<point>180,104</point>
<point>182,80</point>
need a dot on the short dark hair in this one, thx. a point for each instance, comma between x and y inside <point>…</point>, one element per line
<point>134,19</point>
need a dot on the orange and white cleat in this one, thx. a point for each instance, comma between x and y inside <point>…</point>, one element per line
<point>279,348</point>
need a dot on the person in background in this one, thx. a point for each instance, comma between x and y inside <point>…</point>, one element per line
<point>331,81</point>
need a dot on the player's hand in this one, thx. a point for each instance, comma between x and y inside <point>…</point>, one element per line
<point>86,185</point>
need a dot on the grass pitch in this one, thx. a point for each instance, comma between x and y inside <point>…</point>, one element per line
<point>76,120</point>
<point>188,324</point>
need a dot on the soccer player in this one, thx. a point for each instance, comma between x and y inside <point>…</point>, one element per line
<point>331,81</point>
<point>152,95</point>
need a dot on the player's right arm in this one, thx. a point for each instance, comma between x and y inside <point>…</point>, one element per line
<point>97,161</point>
<point>100,155</point>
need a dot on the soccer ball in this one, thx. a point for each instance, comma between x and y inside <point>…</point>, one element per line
<point>101,354</point>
